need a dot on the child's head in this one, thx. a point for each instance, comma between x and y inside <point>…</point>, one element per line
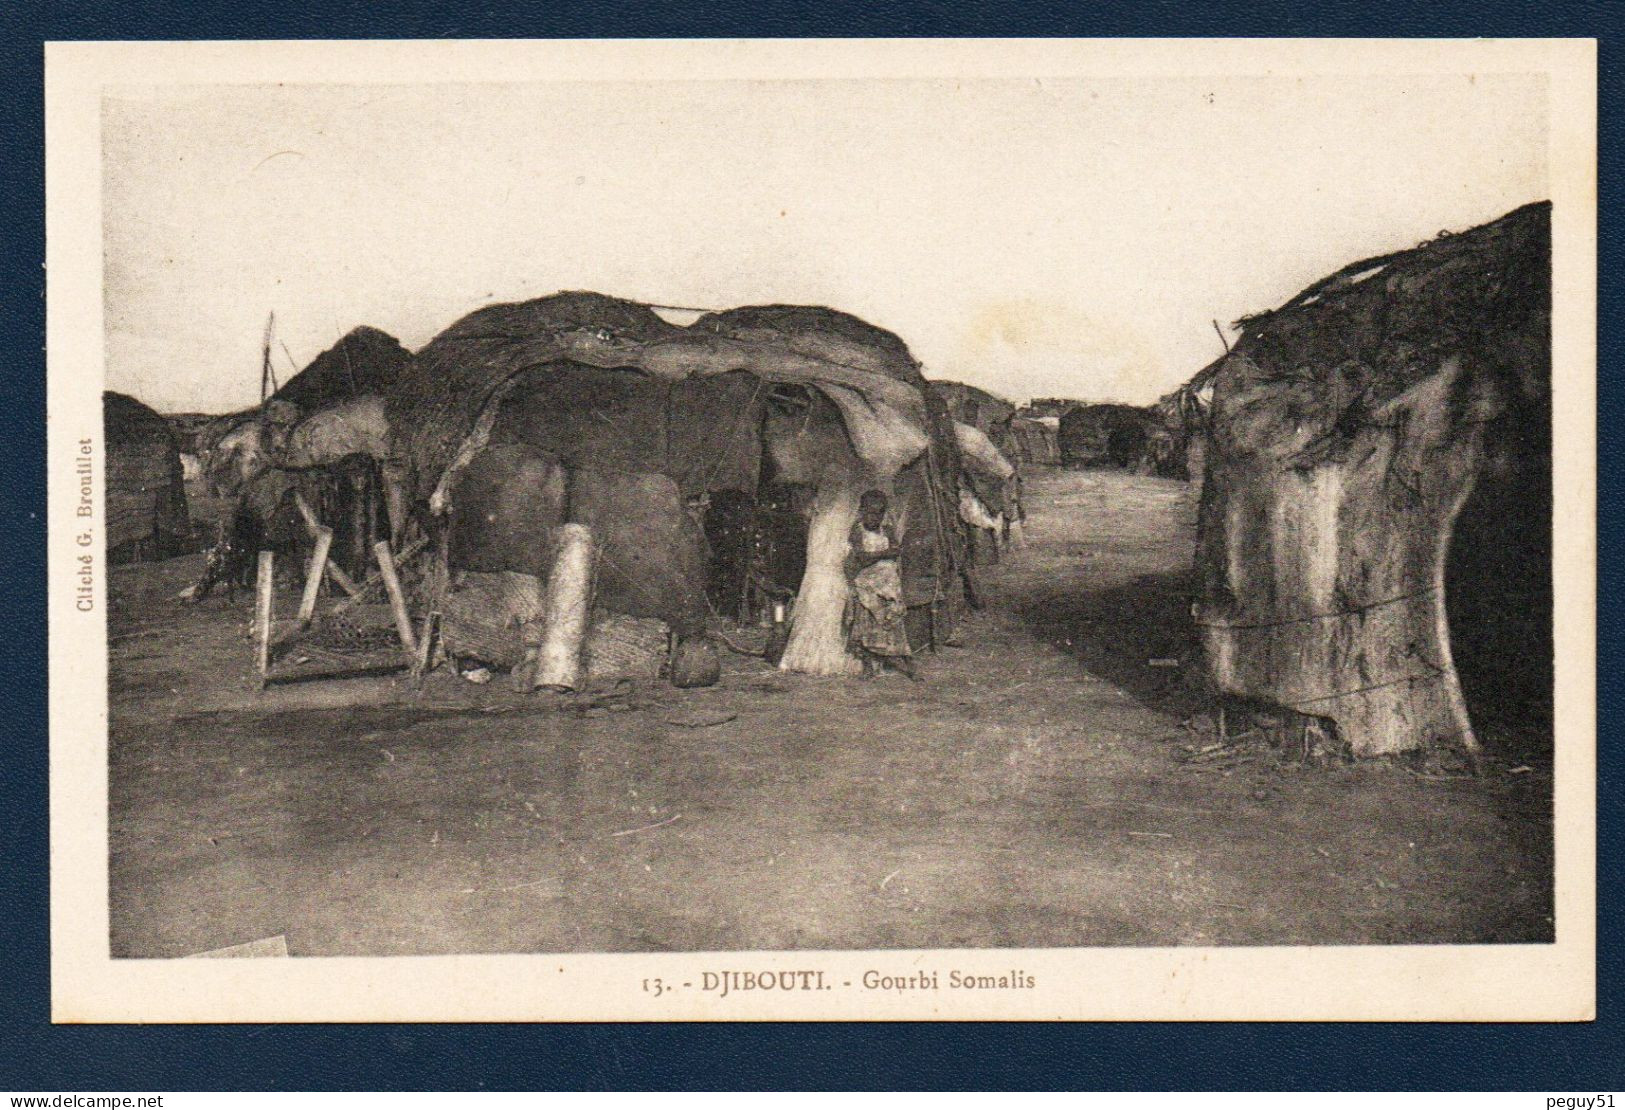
<point>872,508</point>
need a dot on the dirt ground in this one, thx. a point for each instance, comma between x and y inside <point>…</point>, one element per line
<point>1046,785</point>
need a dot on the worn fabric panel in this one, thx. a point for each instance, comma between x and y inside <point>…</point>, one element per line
<point>1356,436</point>
<point>504,509</point>
<point>652,553</point>
<point>584,416</point>
<point>715,438</point>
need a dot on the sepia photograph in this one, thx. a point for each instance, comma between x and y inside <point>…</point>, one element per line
<point>1012,505</point>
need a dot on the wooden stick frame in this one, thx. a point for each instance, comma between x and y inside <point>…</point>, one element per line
<point>419,655</point>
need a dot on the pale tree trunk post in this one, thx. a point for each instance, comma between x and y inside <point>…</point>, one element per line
<point>817,643</point>
<point>566,608</point>
<point>313,579</point>
<point>264,589</point>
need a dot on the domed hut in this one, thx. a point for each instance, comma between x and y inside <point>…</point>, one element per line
<point>979,409</point>
<point>1036,439</point>
<point>1374,543</point>
<point>319,435</point>
<point>1108,435</point>
<point>146,495</point>
<point>717,466</point>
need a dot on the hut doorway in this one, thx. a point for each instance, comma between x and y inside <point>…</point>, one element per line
<point>1500,612</point>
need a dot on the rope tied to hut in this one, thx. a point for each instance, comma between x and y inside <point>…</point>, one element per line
<point>1341,613</point>
<point>1410,678</point>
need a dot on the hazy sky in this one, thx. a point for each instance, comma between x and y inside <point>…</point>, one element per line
<point>1036,238</point>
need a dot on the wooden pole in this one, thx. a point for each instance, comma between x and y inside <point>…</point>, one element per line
<point>397,600</point>
<point>362,520</point>
<point>341,580</point>
<point>315,527</point>
<point>426,646</point>
<point>566,610</point>
<point>313,580</point>
<point>263,587</point>
<point>359,593</point>
<point>267,375</point>
<point>817,643</point>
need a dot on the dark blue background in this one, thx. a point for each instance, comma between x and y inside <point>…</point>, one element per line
<point>35,1056</point>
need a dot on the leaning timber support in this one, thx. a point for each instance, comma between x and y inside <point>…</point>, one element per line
<point>428,644</point>
<point>315,527</point>
<point>397,599</point>
<point>359,592</point>
<point>313,580</point>
<point>264,589</point>
<point>565,610</point>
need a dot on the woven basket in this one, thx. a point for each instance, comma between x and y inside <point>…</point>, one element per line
<point>624,647</point>
<point>492,617</point>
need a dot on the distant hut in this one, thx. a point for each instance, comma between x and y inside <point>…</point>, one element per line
<point>146,496</point>
<point>1375,533</point>
<point>979,409</point>
<point>1036,440</point>
<point>1048,407</point>
<point>1182,416</point>
<point>1107,435</point>
<point>238,449</point>
<point>990,450</point>
<point>364,362</point>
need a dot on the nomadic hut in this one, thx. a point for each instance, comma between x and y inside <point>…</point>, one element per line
<point>988,450</point>
<point>259,458</point>
<point>1036,440</point>
<point>717,466</point>
<point>146,497</point>
<point>979,409</point>
<point>364,362</point>
<point>1041,407</point>
<point>1108,435</point>
<point>1375,532</point>
<point>1181,444</point>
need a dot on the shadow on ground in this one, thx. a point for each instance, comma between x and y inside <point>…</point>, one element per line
<point>1137,636</point>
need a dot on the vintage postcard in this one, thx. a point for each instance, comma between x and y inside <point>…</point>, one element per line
<point>822,530</point>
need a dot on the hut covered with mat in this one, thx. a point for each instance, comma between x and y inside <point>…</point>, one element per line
<point>313,450</point>
<point>1035,440</point>
<point>716,467</point>
<point>979,409</point>
<point>146,495</point>
<point>1108,435</point>
<point>1374,546</point>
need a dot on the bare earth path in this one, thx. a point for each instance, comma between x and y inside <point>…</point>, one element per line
<point>1033,791</point>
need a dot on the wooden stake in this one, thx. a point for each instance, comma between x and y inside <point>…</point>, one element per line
<point>427,642</point>
<point>359,592</point>
<point>313,580</point>
<point>263,588</point>
<point>315,527</point>
<point>341,580</point>
<point>397,600</point>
